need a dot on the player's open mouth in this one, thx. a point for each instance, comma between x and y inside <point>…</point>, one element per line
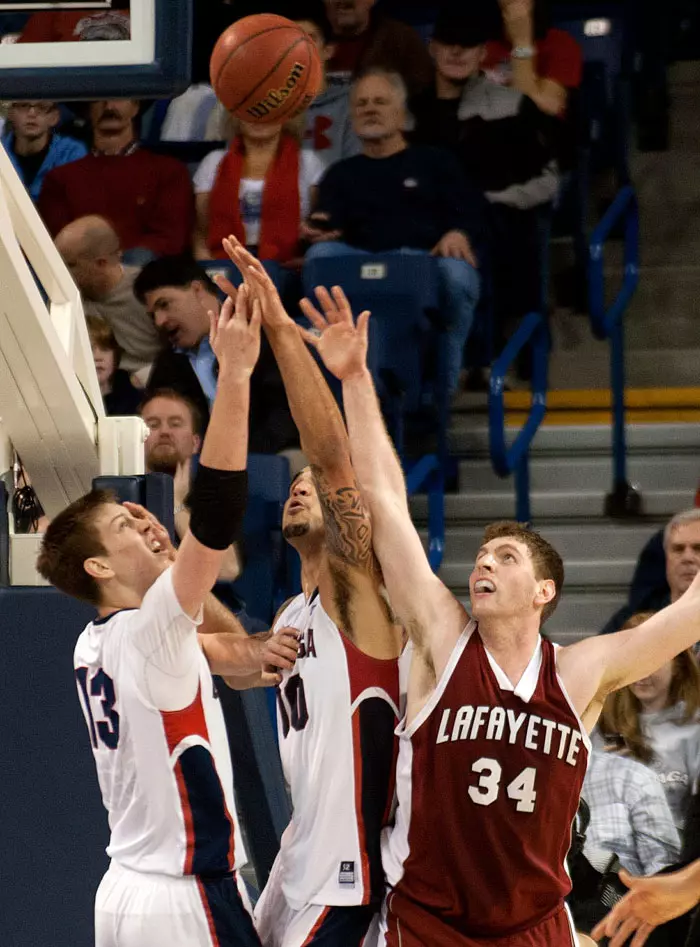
<point>484,586</point>
<point>156,546</point>
<point>295,507</point>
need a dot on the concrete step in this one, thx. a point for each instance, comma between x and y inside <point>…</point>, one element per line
<point>469,437</point>
<point>580,614</point>
<point>562,474</point>
<point>576,542</point>
<point>486,506</point>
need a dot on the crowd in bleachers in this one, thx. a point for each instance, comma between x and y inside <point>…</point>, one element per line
<point>459,148</point>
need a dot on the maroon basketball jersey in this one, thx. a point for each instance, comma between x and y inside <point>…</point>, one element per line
<point>488,785</point>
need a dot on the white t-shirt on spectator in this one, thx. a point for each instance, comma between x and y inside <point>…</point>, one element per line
<point>250,192</point>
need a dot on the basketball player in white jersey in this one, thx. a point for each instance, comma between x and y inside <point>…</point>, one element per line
<point>494,743</point>
<point>144,682</point>
<point>338,709</point>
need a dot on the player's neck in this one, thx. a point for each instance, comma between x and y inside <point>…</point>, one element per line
<point>312,563</point>
<point>511,643</point>
<point>118,597</point>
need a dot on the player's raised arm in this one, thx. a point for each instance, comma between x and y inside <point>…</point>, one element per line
<point>324,438</point>
<point>219,492</point>
<point>421,602</point>
<point>614,661</point>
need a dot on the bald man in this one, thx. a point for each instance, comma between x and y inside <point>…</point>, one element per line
<point>90,249</point>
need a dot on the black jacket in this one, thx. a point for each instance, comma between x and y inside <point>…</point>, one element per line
<point>271,426</point>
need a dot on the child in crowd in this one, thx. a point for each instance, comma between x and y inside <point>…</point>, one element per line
<point>119,395</point>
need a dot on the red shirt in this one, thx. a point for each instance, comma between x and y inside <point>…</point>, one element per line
<point>70,26</point>
<point>488,783</point>
<point>559,58</point>
<point>147,197</point>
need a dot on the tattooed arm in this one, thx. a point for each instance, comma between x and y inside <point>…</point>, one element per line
<point>324,438</point>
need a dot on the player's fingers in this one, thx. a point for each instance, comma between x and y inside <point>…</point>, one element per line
<point>270,679</point>
<point>312,314</point>
<point>342,303</point>
<point>255,316</point>
<point>225,285</point>
<point>309,337</point>
<point>363,324</point>
<point>137,511</point>
<point>624,932</point>
<point>242,310</point>
<point>627,879</point>
<point>326,302</point>
<point>642,935</point>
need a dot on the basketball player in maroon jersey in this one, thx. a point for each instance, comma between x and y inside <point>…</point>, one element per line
<point>494,744</point>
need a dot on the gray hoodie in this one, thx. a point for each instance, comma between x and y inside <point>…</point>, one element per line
<point>329,127</point>
<point>676,760</point>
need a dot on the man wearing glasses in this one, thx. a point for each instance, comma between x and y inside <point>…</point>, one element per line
<point>32,144</point>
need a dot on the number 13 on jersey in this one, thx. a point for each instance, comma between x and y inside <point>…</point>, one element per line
<point>100,687</point>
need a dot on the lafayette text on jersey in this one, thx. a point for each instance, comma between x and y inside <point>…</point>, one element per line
<point>337,712</point>
<point>488,785</point>
<point>165,775</point>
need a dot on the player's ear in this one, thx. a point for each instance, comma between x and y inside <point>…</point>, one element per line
<point>98,568</point>
<point>546,590</point>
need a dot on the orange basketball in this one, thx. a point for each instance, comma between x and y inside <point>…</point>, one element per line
<point>265,69</point>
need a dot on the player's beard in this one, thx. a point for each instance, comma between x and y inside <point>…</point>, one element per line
<point>295,530</point>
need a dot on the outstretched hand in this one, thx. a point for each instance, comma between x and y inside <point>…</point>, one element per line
<point>649,902</point>
<point>260,286</point>
<point>340,342</point>
<point>235,335</point>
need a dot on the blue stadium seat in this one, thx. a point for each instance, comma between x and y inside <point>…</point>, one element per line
<point>266,581</point>
<point>406,352</point>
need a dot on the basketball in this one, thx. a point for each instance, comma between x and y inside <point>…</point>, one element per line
<point>265,69</point>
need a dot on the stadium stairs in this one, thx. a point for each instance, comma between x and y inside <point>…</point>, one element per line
<point>571,464</point>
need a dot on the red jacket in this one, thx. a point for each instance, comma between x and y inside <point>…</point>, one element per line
<point>147,197</point>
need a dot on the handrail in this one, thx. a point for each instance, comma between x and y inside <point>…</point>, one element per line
<point>428,472</point>
<point>607,323</point>
<point>515,458</point>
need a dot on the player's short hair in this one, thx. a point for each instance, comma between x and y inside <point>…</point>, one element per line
<point>680,519</point>
<point>175,395</point>
<point>70,539</point>
<point>179,271</point>
<point>102,337</point>
<point>546,561</point>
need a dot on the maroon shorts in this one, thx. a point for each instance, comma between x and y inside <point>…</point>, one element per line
<point>409,927</point>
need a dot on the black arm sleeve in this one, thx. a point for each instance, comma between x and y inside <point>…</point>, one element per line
<point>217,503</point>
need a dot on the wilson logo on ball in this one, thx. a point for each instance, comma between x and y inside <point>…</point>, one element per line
<point>276,97</point>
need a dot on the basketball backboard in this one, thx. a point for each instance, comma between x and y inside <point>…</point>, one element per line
<point>95,49</point>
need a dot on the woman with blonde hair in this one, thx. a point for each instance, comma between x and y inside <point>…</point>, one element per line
<point>260,190</point>
<point>657,720</point>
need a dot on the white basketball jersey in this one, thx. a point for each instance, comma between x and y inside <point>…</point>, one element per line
<point>165,774</point>
<point>337,711</point>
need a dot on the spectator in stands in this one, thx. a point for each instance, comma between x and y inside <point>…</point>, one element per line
<point>329,132</point>
<point>542,62</point>
<point>147,197</point>
<point>630,815</point>
<point>179,296</point>
<point>657,720</point>
<point>365,38</point>
<point>119,395</point>
<point>33,145</point>
<point>70,26</point>
<point>260,190</point>
<point>189,114</point>
<point>665,568</point>
<point>405,198</point>
<point>90,249</point>
<point>504,145</point>
<point>175,427</point>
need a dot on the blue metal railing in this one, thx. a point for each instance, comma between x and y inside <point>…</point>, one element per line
<point>428,473</point>
<point>515,458</point>
<point>607,323</point>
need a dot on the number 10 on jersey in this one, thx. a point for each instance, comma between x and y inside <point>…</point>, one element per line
<point>291,701</point>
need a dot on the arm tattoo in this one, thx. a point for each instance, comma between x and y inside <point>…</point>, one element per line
<point>348,529</point>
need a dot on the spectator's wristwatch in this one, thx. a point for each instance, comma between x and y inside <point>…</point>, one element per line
<point>523,52</point>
